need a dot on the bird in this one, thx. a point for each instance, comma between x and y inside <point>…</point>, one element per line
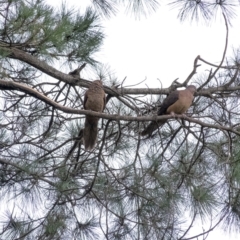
<point>177,102</point>
<point>95,100</point>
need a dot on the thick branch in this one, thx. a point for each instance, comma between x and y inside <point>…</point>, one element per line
<point>10,85</point>
<point>43,66</point>
<point>74,80</point>
<point>15,86</point>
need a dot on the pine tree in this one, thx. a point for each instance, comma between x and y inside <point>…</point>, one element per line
<point>127,187</point>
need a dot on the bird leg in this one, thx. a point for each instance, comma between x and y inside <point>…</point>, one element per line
<point>173,114</point>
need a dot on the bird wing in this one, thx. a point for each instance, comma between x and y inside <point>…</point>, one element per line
<point>168,101</point>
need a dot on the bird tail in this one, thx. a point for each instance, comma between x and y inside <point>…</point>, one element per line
<point>90,132</point>
<point>152,127</point>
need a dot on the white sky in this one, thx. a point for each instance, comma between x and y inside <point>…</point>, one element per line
<point>161,47</point>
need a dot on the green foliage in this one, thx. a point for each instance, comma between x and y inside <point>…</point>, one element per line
<point>39,30</point>
<point>127,187</point>
<point>54,226</point>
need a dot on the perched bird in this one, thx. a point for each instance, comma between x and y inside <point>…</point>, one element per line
<point>177,102</point>
<point>95,100</point>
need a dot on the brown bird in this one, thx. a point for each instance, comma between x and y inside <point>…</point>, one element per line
<point>95,100</point>
<point>177,102</point>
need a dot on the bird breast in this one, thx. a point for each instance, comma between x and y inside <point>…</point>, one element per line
<point>95,103</point>
<point>182,104</point>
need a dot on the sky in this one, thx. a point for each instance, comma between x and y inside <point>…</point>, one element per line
<point>161,48</point>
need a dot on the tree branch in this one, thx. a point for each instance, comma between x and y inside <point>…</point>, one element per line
<point>10,85</point>
<point>195,66</point>
<point>73,79</point>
